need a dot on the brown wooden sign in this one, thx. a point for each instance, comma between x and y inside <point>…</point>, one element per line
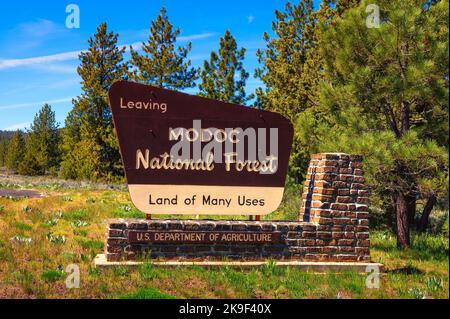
<point>203,237</point>
<point>186,154</point>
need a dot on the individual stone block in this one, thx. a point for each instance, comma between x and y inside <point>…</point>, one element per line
<point>114,233</point>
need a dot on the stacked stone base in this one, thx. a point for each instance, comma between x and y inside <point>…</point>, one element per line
<point>300,241</point>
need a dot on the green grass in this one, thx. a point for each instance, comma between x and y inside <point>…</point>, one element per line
<point>424,247</point>
<point>64,232</point>
<point>23,226</point>
<point>148,293</point>
<point>127,211</point>
<point>77,215</point>
<point>93,245</point>
<point>52,275</point>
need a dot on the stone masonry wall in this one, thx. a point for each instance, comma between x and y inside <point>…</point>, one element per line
<point>335,198</point>
<point>333,224</point>
<point>118,246</point>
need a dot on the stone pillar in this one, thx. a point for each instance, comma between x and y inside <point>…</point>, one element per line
<point>335,198</point>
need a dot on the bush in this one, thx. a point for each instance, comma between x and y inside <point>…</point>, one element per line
<point>56,239</point>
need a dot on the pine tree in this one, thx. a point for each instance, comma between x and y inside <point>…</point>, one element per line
<point>89,144</point>
<point>292,69</point>
<point>162,64</point>
<point>385,96</point>
<point>42,149</point>
<point>14,155</point>
<point>3,150</point>
<point>223,76</point>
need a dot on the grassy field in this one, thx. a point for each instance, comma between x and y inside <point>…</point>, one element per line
<point>39,238</point>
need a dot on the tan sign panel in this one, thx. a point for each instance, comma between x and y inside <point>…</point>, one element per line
<point>186,154</point>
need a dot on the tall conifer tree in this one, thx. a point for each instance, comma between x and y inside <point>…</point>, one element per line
<point>290,70</point>
<point>42,144</point>
<point>14,155</point>
<point>3,150</point>
<point>385,96</point>
<point>89,143</point>
<point>223,77</point>
<point>162,63</point>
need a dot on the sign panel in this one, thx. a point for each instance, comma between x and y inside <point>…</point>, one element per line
<point>185,154</point>
<point>203,237</point>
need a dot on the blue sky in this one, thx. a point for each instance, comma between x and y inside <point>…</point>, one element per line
<point>38,54</point>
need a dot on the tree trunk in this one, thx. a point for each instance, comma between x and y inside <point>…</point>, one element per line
<point>401,210</point>
<point>405,117</point>
<point>425,219</point>
<point>411,203</point>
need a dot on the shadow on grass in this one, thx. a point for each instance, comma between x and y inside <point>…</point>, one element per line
<point>407,270</point>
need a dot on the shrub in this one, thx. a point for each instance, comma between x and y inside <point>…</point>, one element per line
<point>417,293</point>
<point>51,222</point>
<point>67,199</point>
<point>434,284</point>
<point>79,223</point>
<point>56,239</point>
<point>21,239</point>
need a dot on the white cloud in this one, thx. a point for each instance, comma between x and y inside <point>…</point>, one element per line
<point>40,28</point>
<point>193,37</point>
<point>57,68</point>
<point>186,38</point>
<point>250,19</point>
<point>68,82</point>
<point>14,63</point>
<point>27,36</point>
<point>19,126</point>
<point>73,55</point>
<point>40,103</point>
